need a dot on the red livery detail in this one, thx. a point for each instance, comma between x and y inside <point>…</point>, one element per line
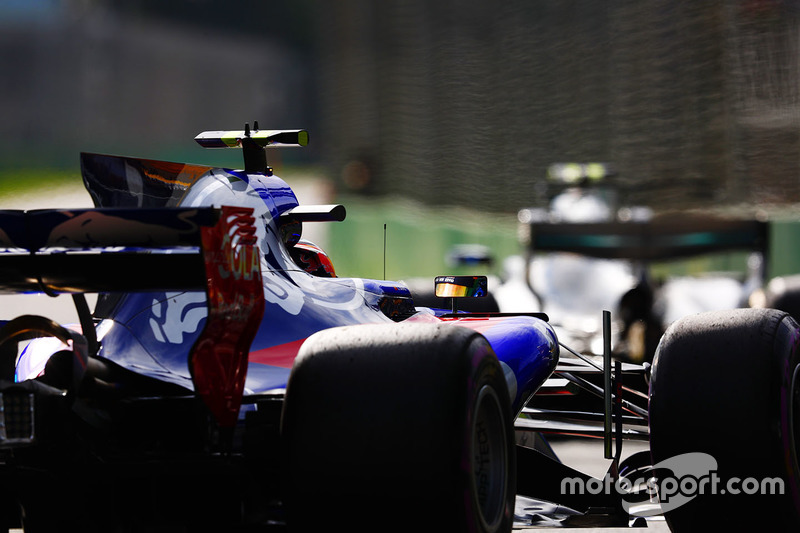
<point>219,358</point>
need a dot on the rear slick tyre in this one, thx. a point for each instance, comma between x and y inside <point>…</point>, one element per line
<point>727,384</point>
<point>402,427</point>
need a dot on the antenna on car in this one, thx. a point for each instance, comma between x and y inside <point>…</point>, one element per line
<point>384,251</point>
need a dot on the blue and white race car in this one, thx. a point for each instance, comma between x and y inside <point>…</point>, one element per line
<point>228,380</point>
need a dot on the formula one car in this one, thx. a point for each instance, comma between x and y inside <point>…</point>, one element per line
<point>228,380</point>
<point>585,252</point>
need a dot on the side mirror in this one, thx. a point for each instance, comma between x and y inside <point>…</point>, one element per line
<point>460,287</point>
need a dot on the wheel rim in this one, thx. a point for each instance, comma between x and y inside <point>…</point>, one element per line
<point>489,458</point>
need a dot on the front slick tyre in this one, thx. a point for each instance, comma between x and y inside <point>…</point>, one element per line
<point>727,384</point>
<point>402,427</point>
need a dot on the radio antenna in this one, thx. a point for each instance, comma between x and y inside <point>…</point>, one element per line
<point>384,251</point>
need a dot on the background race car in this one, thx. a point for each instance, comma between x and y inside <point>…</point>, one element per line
<point>587,253</point>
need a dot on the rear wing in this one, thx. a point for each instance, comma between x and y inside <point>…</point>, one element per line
<point>111,250</point>
<point>126,250</point>
<point>662,238</point>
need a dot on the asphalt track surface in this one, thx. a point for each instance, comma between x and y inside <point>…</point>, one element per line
<point>586,455</point>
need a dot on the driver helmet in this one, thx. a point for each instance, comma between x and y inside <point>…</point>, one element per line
<point>312,259</point>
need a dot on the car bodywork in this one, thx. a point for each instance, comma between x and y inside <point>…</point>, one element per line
<point>168,403</point>
<point>200,315</point>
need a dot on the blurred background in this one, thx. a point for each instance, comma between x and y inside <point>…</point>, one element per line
<point>436,118</point>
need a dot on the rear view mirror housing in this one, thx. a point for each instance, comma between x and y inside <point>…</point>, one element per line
<point>455,287</point>
<point>460,286</point>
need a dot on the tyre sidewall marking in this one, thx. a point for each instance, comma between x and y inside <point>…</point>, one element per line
<point>487,375</point>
